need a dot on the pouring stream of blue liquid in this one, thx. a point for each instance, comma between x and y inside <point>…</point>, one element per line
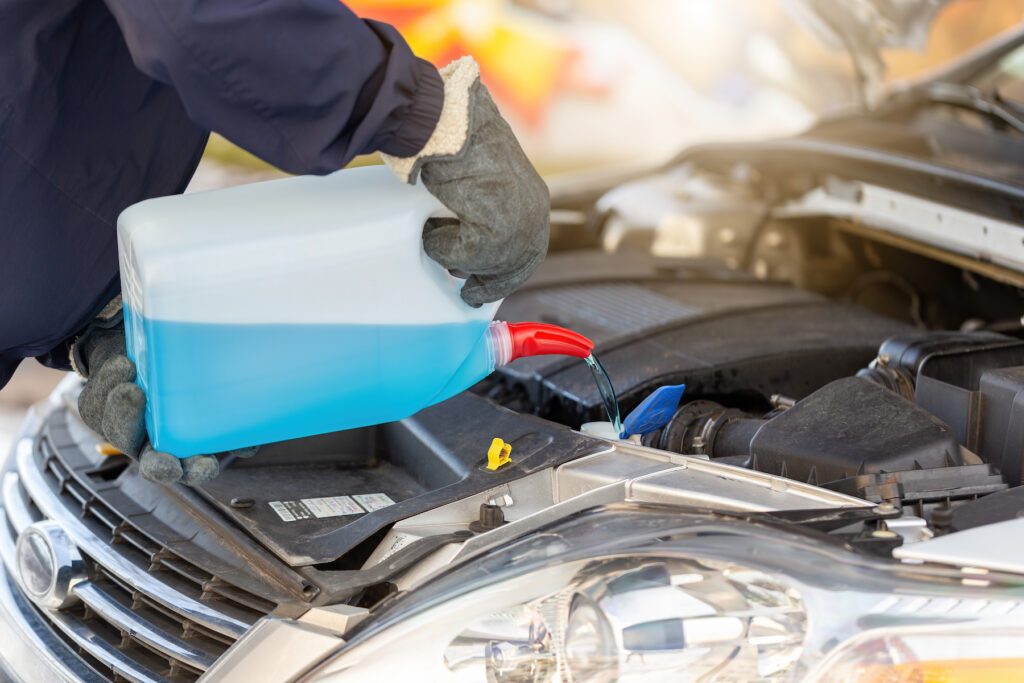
<point>604,386</point>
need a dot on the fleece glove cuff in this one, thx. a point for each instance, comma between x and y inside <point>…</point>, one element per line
<point>452,129</point>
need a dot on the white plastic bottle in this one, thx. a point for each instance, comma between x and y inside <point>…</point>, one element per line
<point>300,306</point>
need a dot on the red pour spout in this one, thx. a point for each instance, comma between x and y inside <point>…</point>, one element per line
<point>540,339</point>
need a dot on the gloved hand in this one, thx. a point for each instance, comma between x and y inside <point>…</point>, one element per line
<point>475,166</point>
<point>115,407</point>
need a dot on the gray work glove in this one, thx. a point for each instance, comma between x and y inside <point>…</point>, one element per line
<point>115,407</point>
<point>475,166</point>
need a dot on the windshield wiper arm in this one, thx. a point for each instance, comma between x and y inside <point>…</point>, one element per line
<point>969,97</point>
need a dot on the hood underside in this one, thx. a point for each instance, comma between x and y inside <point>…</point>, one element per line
<point>864,28</point>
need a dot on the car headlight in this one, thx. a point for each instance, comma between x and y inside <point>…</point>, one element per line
<point>648,593</point>
<point>624,617</point>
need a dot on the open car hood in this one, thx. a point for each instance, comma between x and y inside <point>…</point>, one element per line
<point>864,27</point>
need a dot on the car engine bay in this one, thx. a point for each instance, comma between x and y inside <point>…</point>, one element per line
<point>838,380</point>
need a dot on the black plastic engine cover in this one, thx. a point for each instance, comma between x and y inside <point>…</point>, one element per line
<point>853,427</point>
<point>435,457</point>
<point>974,382</point>
<point>658,321</point>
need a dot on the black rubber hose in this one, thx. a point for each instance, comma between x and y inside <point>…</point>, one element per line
<point>734,437</point>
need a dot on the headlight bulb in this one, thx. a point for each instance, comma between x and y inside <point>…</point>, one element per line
<point>590,650</point>
<point>510,646</point>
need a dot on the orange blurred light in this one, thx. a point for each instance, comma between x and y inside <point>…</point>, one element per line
<point>522,58</point>
<point>947,671</point>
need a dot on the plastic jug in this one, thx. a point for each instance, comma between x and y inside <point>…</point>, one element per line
<point>300,306</point>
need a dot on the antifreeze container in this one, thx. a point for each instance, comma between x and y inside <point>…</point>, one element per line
<point>301,306</point>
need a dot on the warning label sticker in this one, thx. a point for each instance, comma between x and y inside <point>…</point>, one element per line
<point>335,506</point>
<point>284,512</point>
<point>307,508</point>
<point>373,501</point>
<point>331,506</point>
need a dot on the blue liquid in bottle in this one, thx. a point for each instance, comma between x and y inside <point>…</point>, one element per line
<point>213,387</point>
<point>292,307</point>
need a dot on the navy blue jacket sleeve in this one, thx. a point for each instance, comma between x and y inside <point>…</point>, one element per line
<point>303,84</point>
<point>104,104</point>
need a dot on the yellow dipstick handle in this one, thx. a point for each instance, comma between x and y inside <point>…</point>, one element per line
<point>498,454</point>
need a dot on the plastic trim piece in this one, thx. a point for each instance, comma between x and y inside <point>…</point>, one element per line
<point>983,547</point>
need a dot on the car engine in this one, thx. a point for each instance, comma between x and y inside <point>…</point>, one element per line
<point>782,381</point>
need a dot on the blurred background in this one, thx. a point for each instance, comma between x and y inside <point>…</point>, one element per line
<point>598,84</point>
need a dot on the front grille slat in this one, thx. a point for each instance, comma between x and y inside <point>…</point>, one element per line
<point>19,513</point>
<point>106,607</point>
<point>229,592</point>
<point>152,552</point>
<point>137,601</point>
<point>124,533</point>
<point>135,643</point>
<point>84,638</point>
<point>156,605</point>
<point>113,562</point>
<point>66,667</point>
<point>78,494</point>
<point>104,515</point>
<point>183,569</point>
<point>136,625</point>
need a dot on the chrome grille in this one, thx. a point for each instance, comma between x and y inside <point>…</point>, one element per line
<point>146,612</point>
<point>134,543</point>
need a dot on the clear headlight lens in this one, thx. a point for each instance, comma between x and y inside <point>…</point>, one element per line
<point>634,594</point>
<point>630,619</point>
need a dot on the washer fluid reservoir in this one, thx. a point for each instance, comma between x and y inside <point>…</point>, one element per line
<point>300,306</point>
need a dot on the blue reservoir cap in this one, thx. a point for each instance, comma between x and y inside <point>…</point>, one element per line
<point>654,411</point>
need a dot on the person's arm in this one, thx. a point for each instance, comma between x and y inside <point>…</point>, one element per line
<point>306,85</point>
<point>303,84</point>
